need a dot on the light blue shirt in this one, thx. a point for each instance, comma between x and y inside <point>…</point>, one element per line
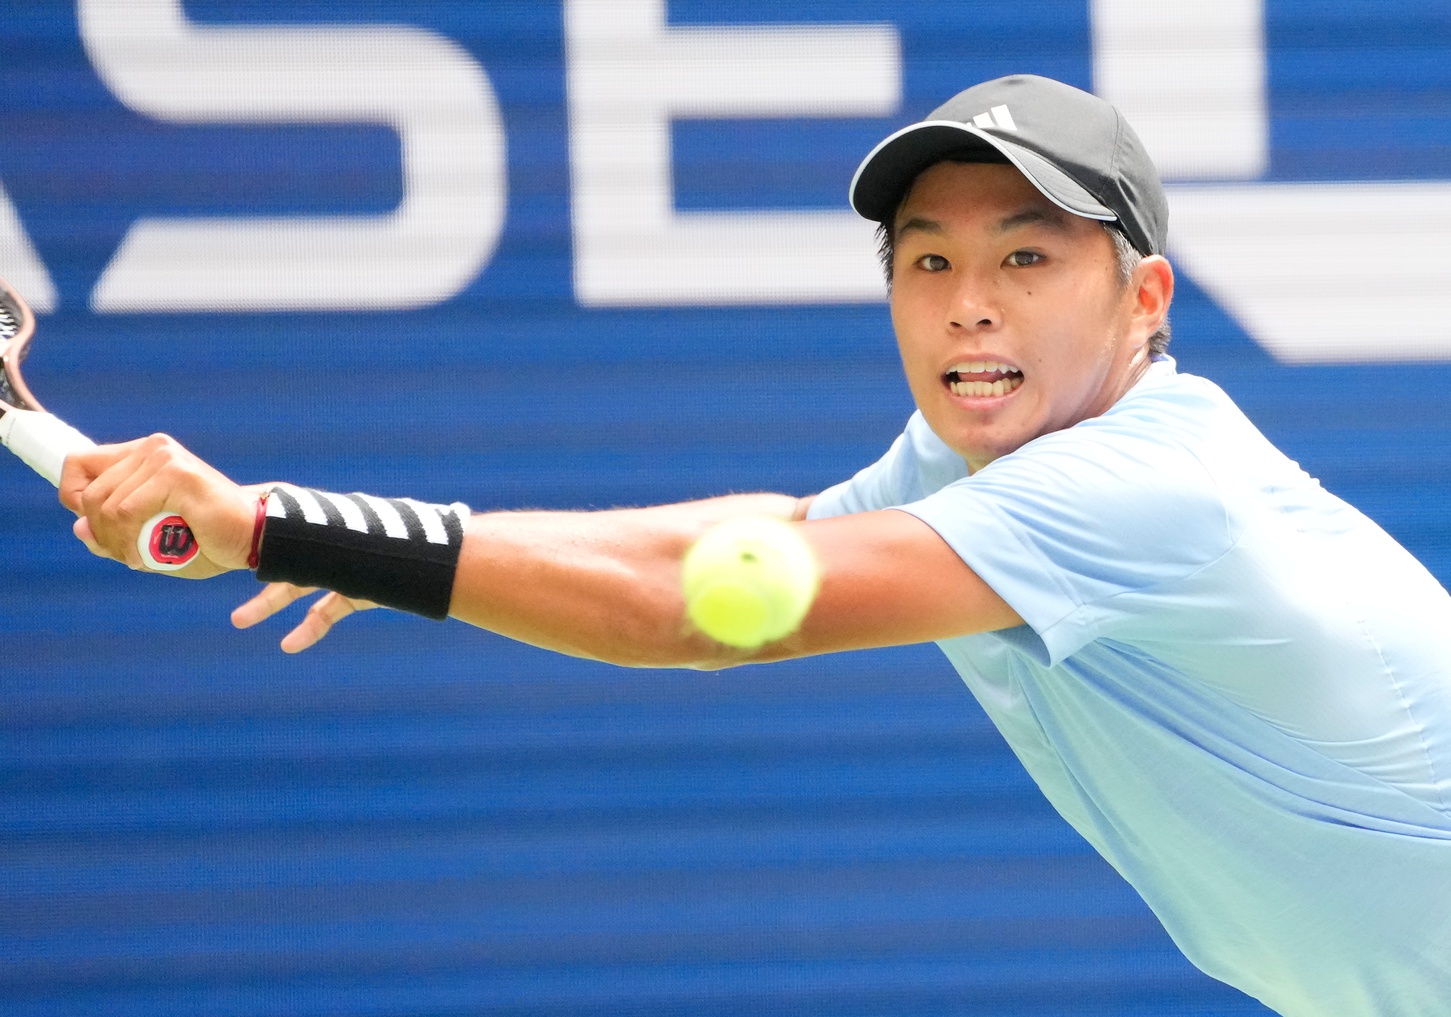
<point>1232,683</point>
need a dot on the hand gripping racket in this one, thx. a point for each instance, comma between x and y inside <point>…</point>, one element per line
<point>42,440</point>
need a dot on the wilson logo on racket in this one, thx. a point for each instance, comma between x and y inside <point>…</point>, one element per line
<point>172,543</point>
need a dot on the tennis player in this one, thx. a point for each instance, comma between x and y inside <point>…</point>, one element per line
<point>1233,684</point>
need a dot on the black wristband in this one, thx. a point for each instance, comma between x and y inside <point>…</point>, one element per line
<point>393,551</point>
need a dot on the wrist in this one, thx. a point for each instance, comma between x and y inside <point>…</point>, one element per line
<point>259,522</point>
<point>395,552</point>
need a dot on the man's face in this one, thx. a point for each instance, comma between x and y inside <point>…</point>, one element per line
<point>1009,312</point>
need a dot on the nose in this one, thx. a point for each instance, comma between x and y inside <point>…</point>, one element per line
<point>973,307</point>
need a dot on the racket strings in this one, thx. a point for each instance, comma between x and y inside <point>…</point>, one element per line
<point>11,323</point>
<point>8,395</point>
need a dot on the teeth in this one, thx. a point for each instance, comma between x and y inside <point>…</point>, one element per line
<point>983,367</point>
<point>982,389</point>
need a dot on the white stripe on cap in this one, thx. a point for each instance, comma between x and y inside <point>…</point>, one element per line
<point>428,516</point>
<point>393,524</point>
<point>1005,146</point>
<point>983,120</point>
<point>1003,117</point>
<point>353,517</point>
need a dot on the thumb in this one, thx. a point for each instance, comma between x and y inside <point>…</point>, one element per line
<point>82,529</point>
<point>73,480</point>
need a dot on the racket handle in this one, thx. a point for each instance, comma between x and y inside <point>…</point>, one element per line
<point>166,543</point>
<point>42,441</point>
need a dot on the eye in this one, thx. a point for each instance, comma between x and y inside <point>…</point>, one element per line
<point>1022,259</point>
<point>933,263</point>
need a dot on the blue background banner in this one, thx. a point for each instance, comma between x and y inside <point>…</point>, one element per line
<point>418,818</point>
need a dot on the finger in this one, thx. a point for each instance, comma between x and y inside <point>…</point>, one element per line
<point>273,598</point>
<point>98,478</point>
<point>137,501</point>
<point>100,498</point>
<point>320,618</point>
<point>139,496</point>
<point>82,529</point>
<point>80,468</point>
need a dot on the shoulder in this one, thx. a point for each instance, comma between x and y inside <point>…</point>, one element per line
<point>1160,435</point>
<point>1133,484</point>
<point>916,464</point>
<point>1168,434</point>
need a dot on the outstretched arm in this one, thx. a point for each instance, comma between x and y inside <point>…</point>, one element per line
<point>585,564</point>
<point>604,585</point>
<point>607,585</point>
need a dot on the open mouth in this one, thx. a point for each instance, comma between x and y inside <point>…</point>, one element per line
<point>982,378</point>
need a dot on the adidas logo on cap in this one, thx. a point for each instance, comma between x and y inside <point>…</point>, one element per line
<point>998,117</point>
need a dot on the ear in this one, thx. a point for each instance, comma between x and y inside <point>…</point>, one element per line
<point>1153,289</point>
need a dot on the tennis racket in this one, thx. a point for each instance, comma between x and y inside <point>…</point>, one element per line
<point>42,440</point>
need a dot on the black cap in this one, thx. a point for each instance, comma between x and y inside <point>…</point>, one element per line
<point>1070,144</point>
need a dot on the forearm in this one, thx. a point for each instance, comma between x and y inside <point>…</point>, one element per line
<point>604,585</point>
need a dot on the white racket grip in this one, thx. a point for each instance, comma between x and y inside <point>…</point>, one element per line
<point>41,440</point>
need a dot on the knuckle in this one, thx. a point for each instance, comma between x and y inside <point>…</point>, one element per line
<point>162,450</point>
<point>121,510</point>
<point>153,443</point>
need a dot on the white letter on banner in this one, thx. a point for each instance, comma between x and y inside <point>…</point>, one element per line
<point>629,74</point>
<point>425,87</point>
<point>1190,77</point>
<point>20,265</point>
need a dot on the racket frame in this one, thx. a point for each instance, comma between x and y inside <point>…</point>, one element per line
<point>15,350</point>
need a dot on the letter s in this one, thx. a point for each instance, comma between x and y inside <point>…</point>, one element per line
<point>425,87</point>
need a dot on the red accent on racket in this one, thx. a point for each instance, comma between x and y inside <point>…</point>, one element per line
<point>166,542</point>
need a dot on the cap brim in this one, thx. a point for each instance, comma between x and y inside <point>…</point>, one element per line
<point>885,174</point>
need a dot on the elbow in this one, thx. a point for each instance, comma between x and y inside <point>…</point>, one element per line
<point>677,647</point>
<point>646,629</point>
<point>658,635</point>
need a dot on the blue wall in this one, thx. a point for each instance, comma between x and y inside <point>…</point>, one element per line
<point>418,818</point>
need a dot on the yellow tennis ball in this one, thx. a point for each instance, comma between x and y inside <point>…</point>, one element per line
<point>749,581</point>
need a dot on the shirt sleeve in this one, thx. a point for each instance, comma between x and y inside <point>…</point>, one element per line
<point>1066,525</point>
<point>916,463</point>
<point>870,488</point>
